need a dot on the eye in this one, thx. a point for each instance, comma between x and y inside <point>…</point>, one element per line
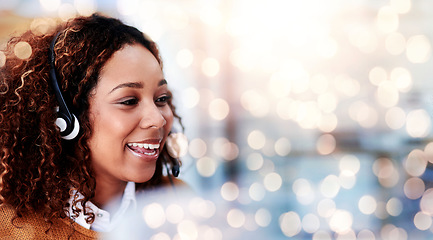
<point>129,102</point>
<point>163,100</point>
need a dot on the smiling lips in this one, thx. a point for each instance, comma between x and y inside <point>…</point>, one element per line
<point>144,148</point>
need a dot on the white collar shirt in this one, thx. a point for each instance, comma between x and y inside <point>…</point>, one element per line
<point>104,222</point>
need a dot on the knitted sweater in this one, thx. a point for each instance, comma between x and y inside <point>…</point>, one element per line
<point>33,226</point>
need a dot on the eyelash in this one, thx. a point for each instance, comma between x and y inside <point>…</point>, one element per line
<point>131,101</point>
<point>161,101</point>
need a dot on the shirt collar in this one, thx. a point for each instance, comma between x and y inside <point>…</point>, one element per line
<point>103,221</point>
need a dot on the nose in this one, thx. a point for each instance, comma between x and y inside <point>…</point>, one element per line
<point>152,117</point>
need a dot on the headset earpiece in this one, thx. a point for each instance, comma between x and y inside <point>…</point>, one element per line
<point>175,170</point>
<point>66,121</point>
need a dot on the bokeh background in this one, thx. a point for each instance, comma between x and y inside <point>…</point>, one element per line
<point>306,119</point>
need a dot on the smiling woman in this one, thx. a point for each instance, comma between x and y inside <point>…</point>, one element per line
<point>108,76</point>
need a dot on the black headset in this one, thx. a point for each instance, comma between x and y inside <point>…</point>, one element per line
<point>66,120</point>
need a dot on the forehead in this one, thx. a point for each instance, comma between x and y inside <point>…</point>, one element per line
<point>131,63</point>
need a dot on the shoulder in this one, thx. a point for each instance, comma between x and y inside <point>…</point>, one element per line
<point>33,226</point>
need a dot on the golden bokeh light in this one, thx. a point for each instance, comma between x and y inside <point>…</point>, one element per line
<point>85,7</point>
<point>263,217</point>
<point>386,172</point>
<point>327,102</point>
<point>190,97</point>
<point>367,204</point>
<point>187,229</point>
<point>230,191</point>
<point>279,86</point>
<point>387,19</point>
<point>321,235</point>
<point>395,43</point>
<point>426,200</point>
<point>402,79</point>
<point>364,114</point>
<point>254,161</point>
<point>366,234</point>
<point>349,163</point>
<point>326,144</point>
<point>394,207</point>
<point>41,26</point>
<point>23,50</point>
<point>389,231</point>
<point>230,151</point>
<point>290,223</point>
<point>50,5</point>
<point>174,213</point>
<point>381,212</point>
<point>341,221</point>
<point>67,11</point>
<point>387,94</point>
<point>154,215</point>
<point>201,207</point>
<point>415,163</point>
<point>160,236</point>
<point>418,49</point>
<point>330,186</point>
<point>377,75</point>
<point>206,166</point>
<point>184,58</point>
<point>363,38</point>
<point>257,192</point>
<point>418,123</point>
<point>414,188</point>
<point>236,218</point>
<point>347,179</point>
<point>422,221</point>
<point>428,151</point>
<point>218,109</point>
<point>255,103</point>
<point>256,139</point>
<point>347,86</point>
<point>210,67</point>
<point>395,118</point>
<point>301,187</point>
<point>328,123</point>
<point>326,208</point>
<point>197,148</point>
<point>310,223</point>
<point>272,182</point>
<point>282,146</point>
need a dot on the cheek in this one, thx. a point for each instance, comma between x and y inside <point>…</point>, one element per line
<point>168,116</point>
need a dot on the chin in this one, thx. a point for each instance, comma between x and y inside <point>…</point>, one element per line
<point>143,176</point>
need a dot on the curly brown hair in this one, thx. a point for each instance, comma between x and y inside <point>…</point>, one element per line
<point>38,169</point>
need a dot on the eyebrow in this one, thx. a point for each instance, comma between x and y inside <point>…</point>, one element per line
<point>135,85</point>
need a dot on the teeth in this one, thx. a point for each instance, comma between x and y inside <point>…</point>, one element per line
<point>144,145</point>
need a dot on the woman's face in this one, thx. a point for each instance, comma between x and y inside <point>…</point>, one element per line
<point>130,116</point>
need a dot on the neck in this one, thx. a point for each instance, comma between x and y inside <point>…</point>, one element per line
<point>107,192</point>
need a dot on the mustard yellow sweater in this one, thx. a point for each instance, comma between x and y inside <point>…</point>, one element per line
<point>33,226</point>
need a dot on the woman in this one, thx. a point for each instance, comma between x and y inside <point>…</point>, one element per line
<point>110,79</point>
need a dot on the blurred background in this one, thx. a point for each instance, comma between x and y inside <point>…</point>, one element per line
<point>306,119</point>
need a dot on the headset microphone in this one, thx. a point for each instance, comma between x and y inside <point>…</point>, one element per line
<point>66,121</point>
